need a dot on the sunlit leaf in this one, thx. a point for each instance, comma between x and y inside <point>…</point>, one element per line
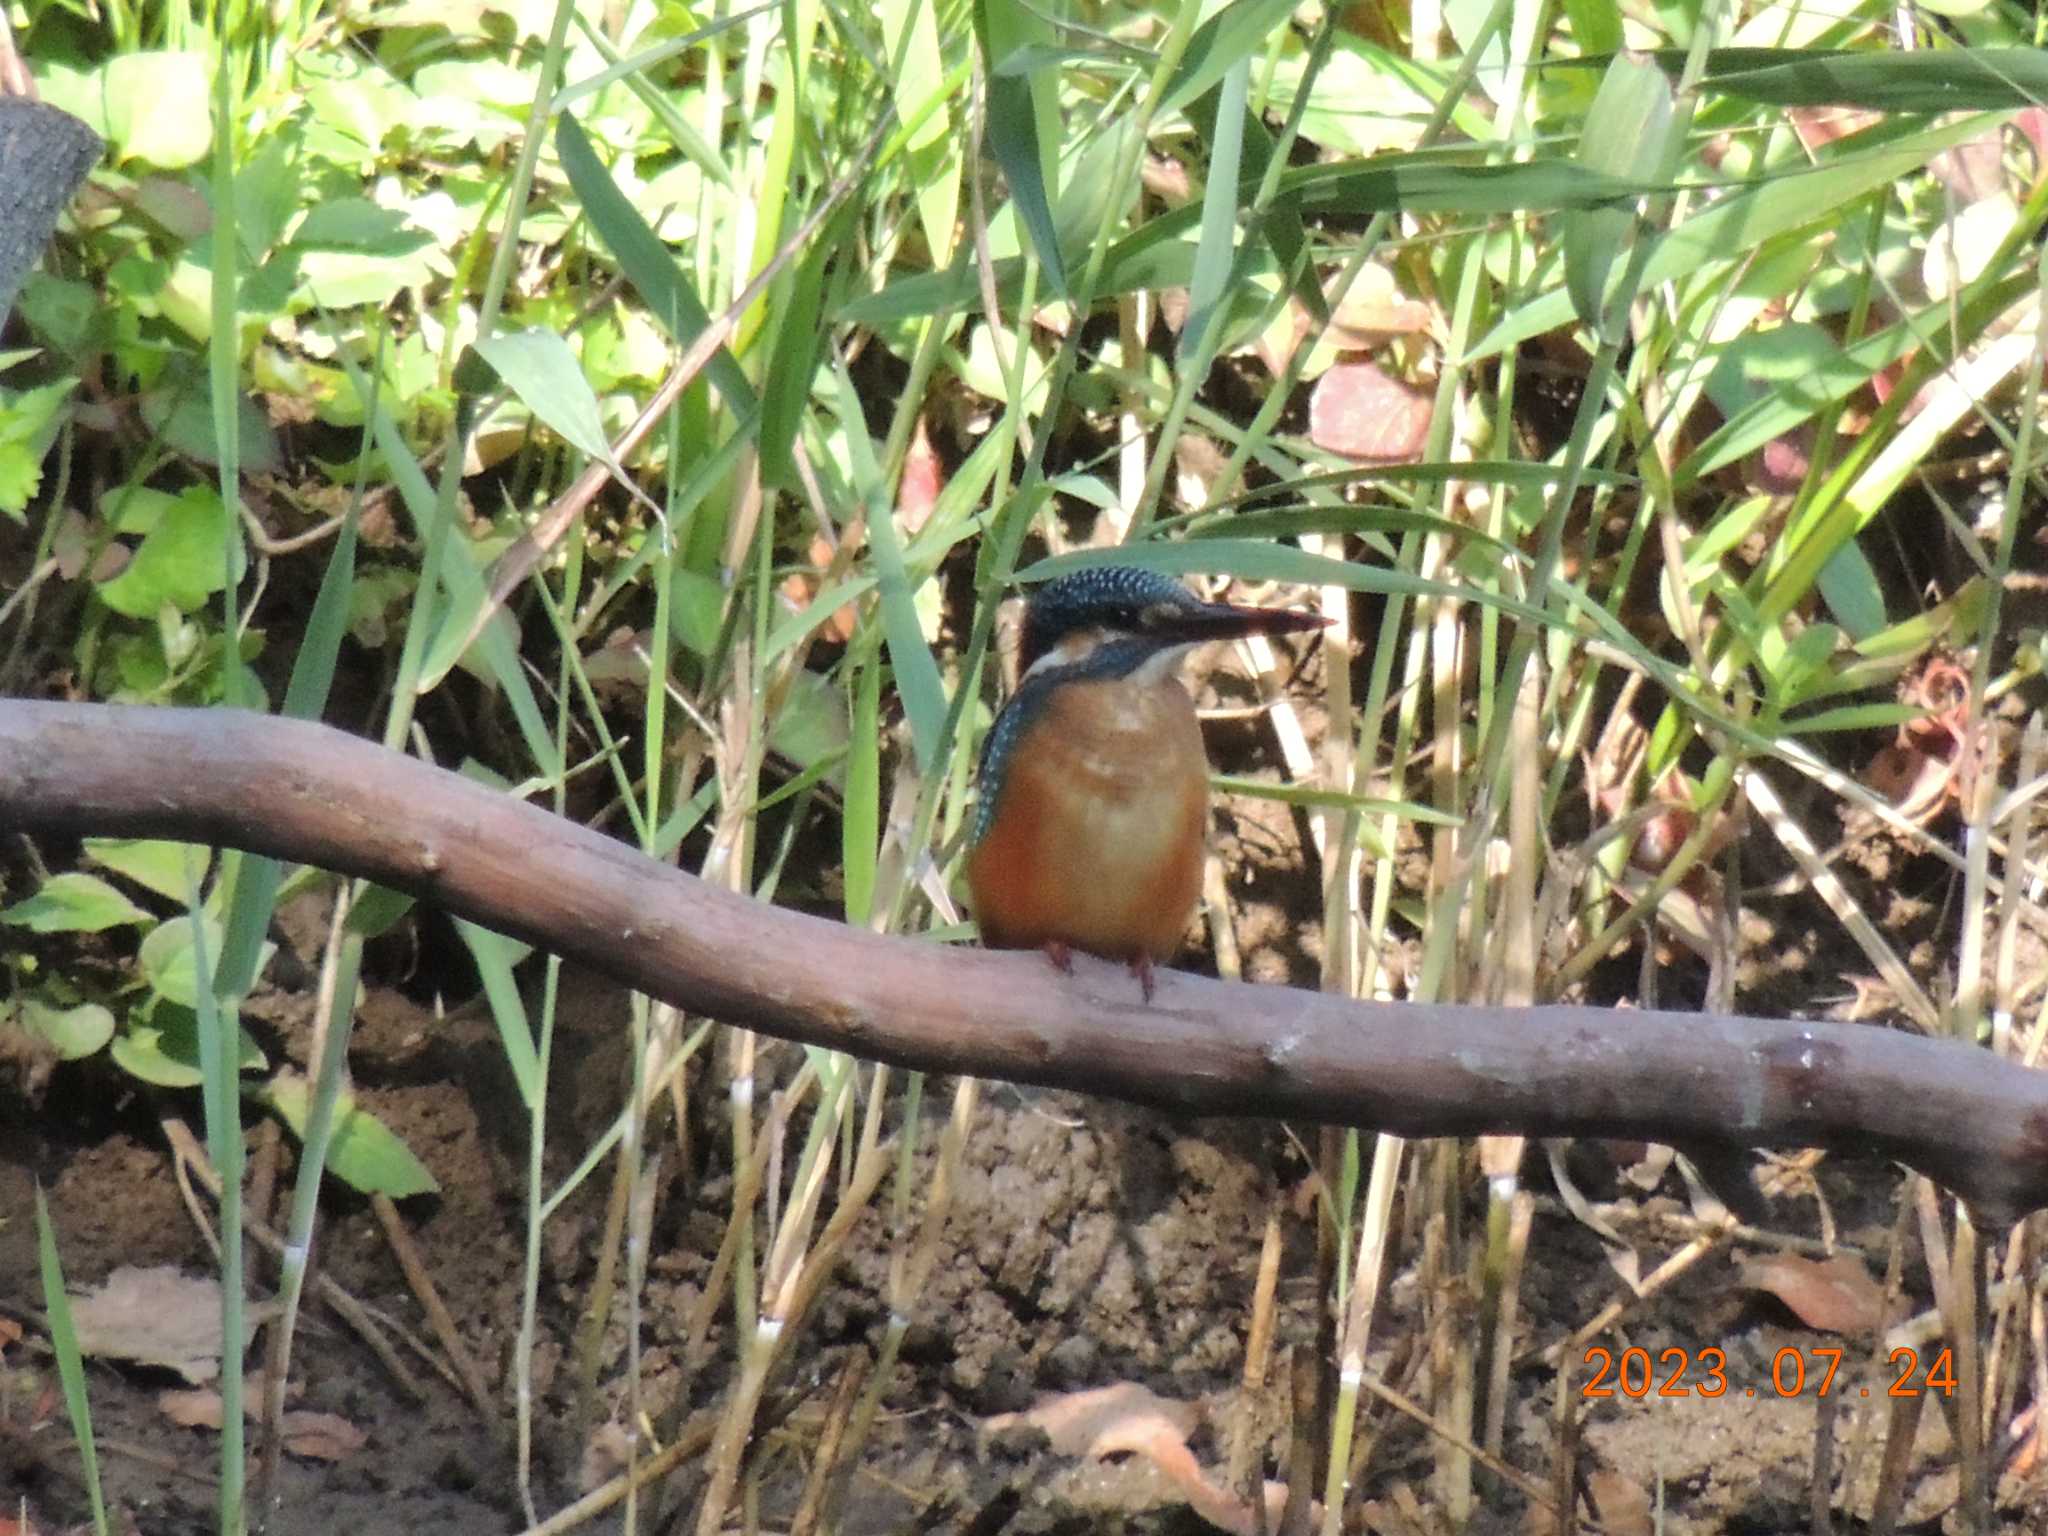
<point>364,1152</point>
<point>74,903</point>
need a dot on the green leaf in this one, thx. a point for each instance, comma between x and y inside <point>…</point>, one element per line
<point>29,422</point>
<point>142,1052</point>
<point>1888,80</point>
<point>179,560</point>
<point>917,81</point>
<point>1155,256</point>
<point>669,298</point>
<point>181,413</point>
<point>1830,374</point>
<point>157,108</point>
<point>1213,252</point>
<point>358,225</point>
<point>465,587</point>
<point>1850,587</point>
<point>1626,135</point>
<point>1233,36</point>
<point>1596,24</point>
<point>254,895</point>
<point>1310,795</point>
<point>164,1048</point>
<point>71,1032</point>
<point>364,1153</point>
<point>539,368</point>
<point>70,1358</point>
<point>1727,230</point>
<point>918,682</point>
<point>495,956</point>
<point>74,903</point>
<point>172,870</point>
<point>376,910</point>
<point>169,964</point>
<point>1013,132</point>
<point>1795,663</point>
<point>786,391</point>
<point>267,192</point>
<point>1854,717</point>
<point>860,820</point>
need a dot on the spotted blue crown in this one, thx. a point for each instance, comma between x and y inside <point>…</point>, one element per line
<point>1112,597</point>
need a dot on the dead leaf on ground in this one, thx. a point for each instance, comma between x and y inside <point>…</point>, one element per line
<point>1127,1418</point>
<point>923,478</point>
<point>1835,1295</point>
<point>307,1433</point>
<point>1620,1504</point>
<point>1363,413</point>
<point>799,587</point>
<point>157,1316</point>
<point>1372,310</point>
<point>314,1436</point>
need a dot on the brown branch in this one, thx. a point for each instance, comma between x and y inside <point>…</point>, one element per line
<point>310,794</point>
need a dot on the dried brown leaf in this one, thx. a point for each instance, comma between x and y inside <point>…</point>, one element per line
<point>923,478</point>
<point>307,1433</point>
<point>1125,1418</point>
<point>1365,414</point>
<point>315,1436</point>
<point>1835,1295</point>
<point>156,1316</point>
<point>191,1407</point>
<point>1102,1421</point>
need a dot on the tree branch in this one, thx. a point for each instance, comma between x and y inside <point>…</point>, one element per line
<point>314,795</point>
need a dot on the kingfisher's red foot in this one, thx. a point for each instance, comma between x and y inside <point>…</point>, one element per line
<point>1141,967</point>
<point>1062,958</point>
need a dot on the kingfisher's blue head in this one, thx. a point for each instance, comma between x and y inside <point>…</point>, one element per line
<point>1105,623</point>
<point>1138,613</point>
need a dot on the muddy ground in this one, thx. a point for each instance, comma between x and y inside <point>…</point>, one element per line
<point>1090,1244</point>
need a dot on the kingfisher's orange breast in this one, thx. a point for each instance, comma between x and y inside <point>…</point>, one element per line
<point>1096,840</point>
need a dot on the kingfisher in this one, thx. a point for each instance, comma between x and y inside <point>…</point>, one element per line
<point>1093,807</point>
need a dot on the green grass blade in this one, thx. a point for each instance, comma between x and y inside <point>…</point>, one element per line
<point>1226,40</point>
<point>1924,80</point>
<point>495,956</point>
<point>1627,134</point>
<point>1213,253</point>
<point>254,878</point>
<point>1830,378</point>
<point>223,357</point>
<point>793,360</point>
<point>1744,220</point>
<point>916,671</point>
<point>670,300</point>
<point>220,1065</point>
<point>861,820</point>
<point>465,586</point>
<point>70,1361</point>
<point>1014,133</point>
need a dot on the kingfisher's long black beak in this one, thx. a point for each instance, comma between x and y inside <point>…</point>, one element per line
<point>1232,621</point>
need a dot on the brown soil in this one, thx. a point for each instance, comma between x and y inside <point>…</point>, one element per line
<point>1092,1243</point>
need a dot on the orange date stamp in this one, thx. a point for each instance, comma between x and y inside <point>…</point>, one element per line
<point>1635,1373</point>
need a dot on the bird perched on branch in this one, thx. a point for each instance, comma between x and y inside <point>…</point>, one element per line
<point>1094,788</point>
